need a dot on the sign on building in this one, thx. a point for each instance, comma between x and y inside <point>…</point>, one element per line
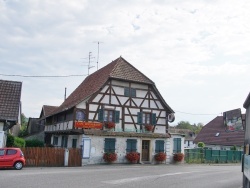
<point>233,120</point>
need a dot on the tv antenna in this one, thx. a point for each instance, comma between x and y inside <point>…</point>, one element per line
<point>89,65</point>
<point>98,44</point>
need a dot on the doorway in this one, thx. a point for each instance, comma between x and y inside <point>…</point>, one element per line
<point>145,150</point>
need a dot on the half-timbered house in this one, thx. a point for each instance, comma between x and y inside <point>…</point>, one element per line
<point>115,109</point>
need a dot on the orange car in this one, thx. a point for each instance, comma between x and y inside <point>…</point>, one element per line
<point>12,157</point>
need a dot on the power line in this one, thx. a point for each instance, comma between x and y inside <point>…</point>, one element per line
<point>40,76</point>
<point>196,114</point>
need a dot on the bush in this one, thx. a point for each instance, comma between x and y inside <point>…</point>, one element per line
<point>10,140</point>
<point>19,142</point>
<point>34,143</point>
<point>201,144</point>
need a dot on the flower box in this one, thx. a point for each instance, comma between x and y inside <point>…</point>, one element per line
<point>109,125</point>
<point>149,127</point>
<point>133,157</point>
<point>109,157</point>
<point>178,157</point>
<point>160,157</point>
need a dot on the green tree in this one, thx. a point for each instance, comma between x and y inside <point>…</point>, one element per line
<point>186,125</point>
<point>24,124</point>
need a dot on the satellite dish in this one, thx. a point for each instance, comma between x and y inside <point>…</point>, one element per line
<point>171,117</point>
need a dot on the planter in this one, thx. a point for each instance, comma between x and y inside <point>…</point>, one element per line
<point>133,157</point>
<point>149,127</point>
<point>178,157</point>
<point>160,157</point>
<point>109,125</point>
<point>110,157</point>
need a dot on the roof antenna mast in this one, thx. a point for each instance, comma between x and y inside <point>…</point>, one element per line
<point>98,44</point>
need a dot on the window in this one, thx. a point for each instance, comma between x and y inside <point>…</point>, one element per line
<point>109,145</point>
<point>1,152</point>
<point>129,92</point>
<point>159,146</point>
<point>146,118</point>
<point>64,143</point>
<point>74,143</point>
<point>108,115</point>
<point>131,145</point>
<point>11,152</point>
<point>177,145</point>
<point>55,140</point>
<point>80,116</point>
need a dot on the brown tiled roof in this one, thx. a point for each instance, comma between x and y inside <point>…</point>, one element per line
<point>225,138</point>
<point>117,69</point>
<point>47,110</point>
<point>10,96</point>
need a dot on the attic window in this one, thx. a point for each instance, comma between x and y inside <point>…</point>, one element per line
<point>217,134</point>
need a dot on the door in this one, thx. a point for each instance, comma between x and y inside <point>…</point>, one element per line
<point>145,150</point>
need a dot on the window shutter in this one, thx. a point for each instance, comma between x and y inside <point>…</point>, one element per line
<point>139,118</point>
<point>159,146</point>
<point>153,119</point>
<point>133,92</point>
<point>133,145</point>
<point>126,92</point>
<point>109,145</point>
<point>100,115</point>
<point>117,116</point>
<point>177,145</point>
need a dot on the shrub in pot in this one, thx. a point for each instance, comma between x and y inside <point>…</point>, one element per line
<point>133,157</point>
<point>109,157</point>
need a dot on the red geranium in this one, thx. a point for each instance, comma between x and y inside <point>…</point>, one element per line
<point>161,156</point>
<point>109,125</point>
<point>109,157</point>
<point>133,157</point>
<point>149,127</point>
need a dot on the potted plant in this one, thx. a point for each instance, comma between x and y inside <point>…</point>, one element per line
<point>109,125</point>
<point>149,127</point>
<point>109,157</point>
<point>178,157</point>
<point>133,157</point>
<point>160,157</point>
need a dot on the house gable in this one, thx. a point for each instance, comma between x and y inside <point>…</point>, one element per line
<point>10,96</point>
<point>214,133</point>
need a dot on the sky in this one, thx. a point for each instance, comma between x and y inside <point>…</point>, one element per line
<point>196,52</point>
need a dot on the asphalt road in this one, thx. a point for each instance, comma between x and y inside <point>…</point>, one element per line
<point>145,176</point>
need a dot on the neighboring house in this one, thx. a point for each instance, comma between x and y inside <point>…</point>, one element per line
<point>216,136</point>
<point>36,125</point>
<point>246,156</point>
<point>10,109</point>
<point>188,134</point>
<point>110,111</point>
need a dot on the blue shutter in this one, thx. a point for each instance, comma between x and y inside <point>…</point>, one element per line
<point>126,92</point>
<point>177,145</point>
<point>139,118</point>
<point>133,92</point>
<point>131,145</point>
<point>153,119</point>
<point>159,146</point>
<point>109,145</point>
<point>100,115</point>
<point>117,116</point>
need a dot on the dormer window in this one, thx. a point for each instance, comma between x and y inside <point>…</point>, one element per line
<point>129,92</point>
